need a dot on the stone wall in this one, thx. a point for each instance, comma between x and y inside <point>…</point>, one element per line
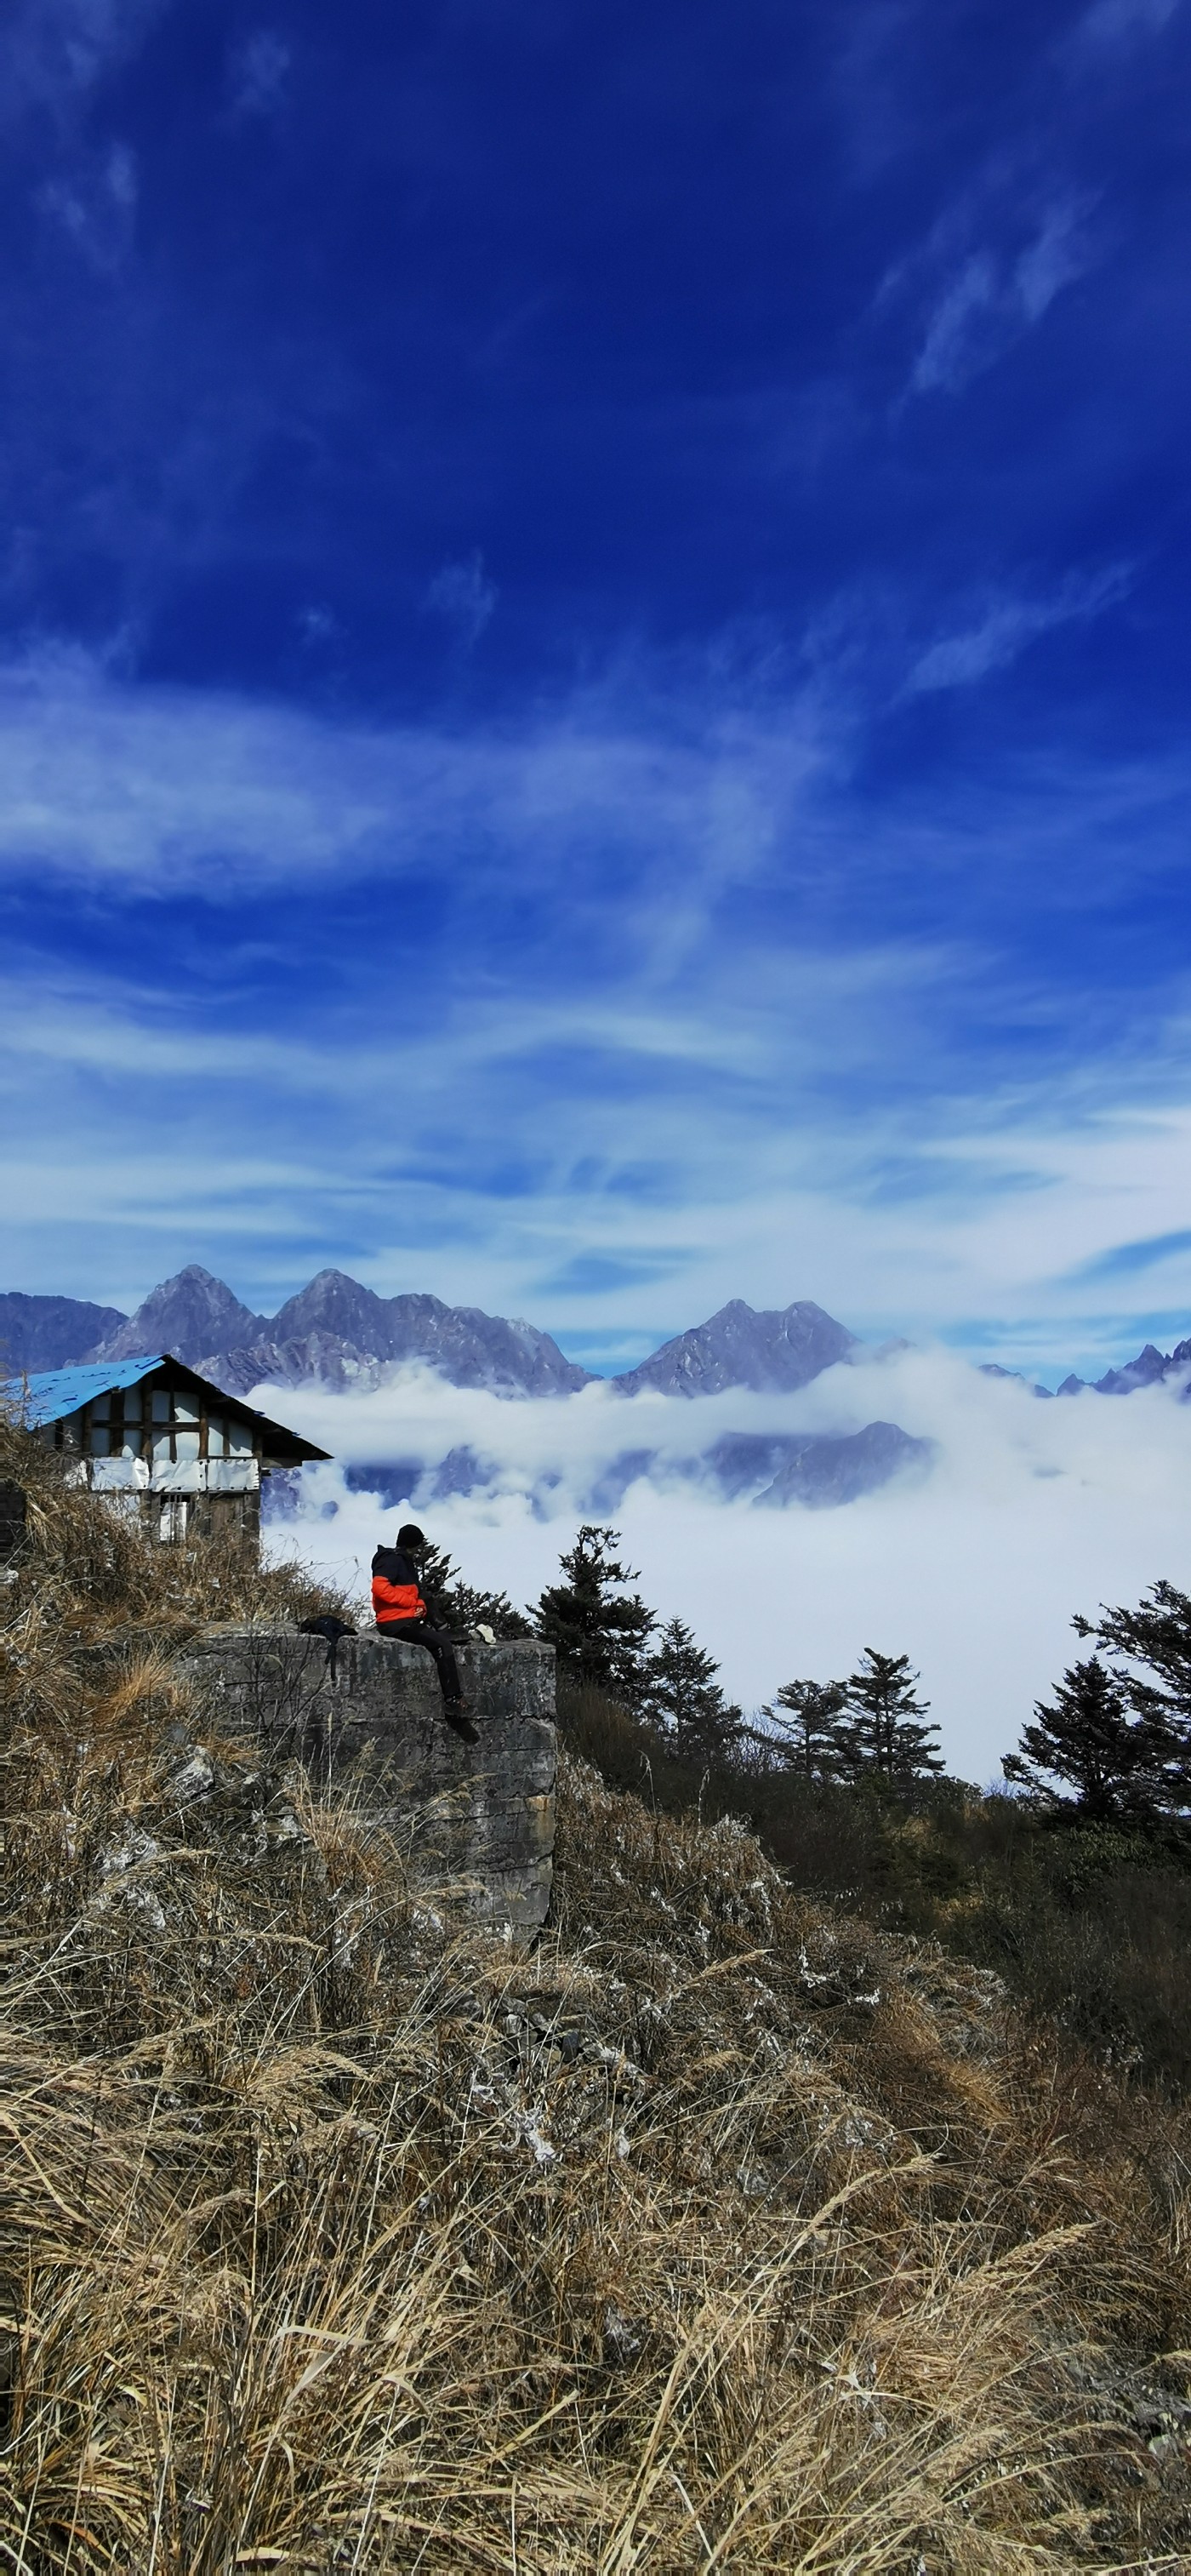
<point>480,1815</point>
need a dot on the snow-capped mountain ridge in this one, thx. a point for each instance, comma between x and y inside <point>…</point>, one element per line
<point>773,1352</point>
<point>337,1334</point>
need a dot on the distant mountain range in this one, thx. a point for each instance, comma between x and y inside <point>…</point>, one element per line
<point>334,1334</point>
<point>817,1469</point>
<point>337,1335</point>
<point>1149,1367</point>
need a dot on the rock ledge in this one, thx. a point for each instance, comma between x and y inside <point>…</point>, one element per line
<point>481,1815</point>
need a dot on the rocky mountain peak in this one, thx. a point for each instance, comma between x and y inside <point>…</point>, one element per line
<point>1148,1369</point>
<point>333,1303</point>
<point>771,1352</point>
<point>189,1315</point>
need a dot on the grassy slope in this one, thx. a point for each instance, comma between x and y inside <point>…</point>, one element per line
<point>721,2232</point>
<point>1090,1925</point>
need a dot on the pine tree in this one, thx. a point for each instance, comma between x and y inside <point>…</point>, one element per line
<point>598,1634</point>
<point>1157,1635</point>
<point>1114,1758</point>
<point>880,1729</point>
<point>804,1719</point>
<point>680,1688</point>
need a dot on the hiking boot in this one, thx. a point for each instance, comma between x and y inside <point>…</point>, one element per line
<point>459,1721</point>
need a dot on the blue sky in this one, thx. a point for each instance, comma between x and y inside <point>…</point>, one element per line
<point>593,664</point>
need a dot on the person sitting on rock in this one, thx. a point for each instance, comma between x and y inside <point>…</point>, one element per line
<point>400,1611</point>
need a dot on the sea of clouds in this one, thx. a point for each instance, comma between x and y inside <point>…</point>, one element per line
<point>1029,1511</point>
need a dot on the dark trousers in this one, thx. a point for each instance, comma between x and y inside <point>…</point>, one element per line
<point>418,1632</point>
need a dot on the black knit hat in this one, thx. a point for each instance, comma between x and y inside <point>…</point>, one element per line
<point>411,1536</point>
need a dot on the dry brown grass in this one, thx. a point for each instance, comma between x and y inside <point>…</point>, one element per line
<point>719,2233</point>
<point>93,1577</point>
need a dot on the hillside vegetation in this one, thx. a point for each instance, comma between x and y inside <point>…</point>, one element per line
<point>1088,1924</point>
<point>726,2230</point>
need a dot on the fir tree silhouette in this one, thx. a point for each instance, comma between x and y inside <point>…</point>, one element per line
<point>598,1631</point>
<point>881,1729</point>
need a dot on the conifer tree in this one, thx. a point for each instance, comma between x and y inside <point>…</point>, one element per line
<point>1113,1757</point>
<point>1156,1636</point>
<point>599,1633</point>
<point>804,1719</point>
<point>681,1689</point>
<point>880,1729</point>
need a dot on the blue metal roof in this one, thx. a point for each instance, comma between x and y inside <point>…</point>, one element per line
<point>51,1393</point>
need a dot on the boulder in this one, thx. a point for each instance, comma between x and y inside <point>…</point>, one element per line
<point>367,1713</point>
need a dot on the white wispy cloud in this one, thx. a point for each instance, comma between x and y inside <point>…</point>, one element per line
<point>1006,625</point>
<point>462,595</point>
<point>145,785</point>
<point>95,206</point>
<point>1111,24</point>
<point>258,73</point>
<point>678,1193</point>
<point>644,814</point>
<point>52,52</point>
<point>997,293</point>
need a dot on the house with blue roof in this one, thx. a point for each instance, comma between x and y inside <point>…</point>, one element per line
<point>162,1441</point>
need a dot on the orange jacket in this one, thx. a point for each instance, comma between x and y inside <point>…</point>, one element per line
<point>395,1593</point>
